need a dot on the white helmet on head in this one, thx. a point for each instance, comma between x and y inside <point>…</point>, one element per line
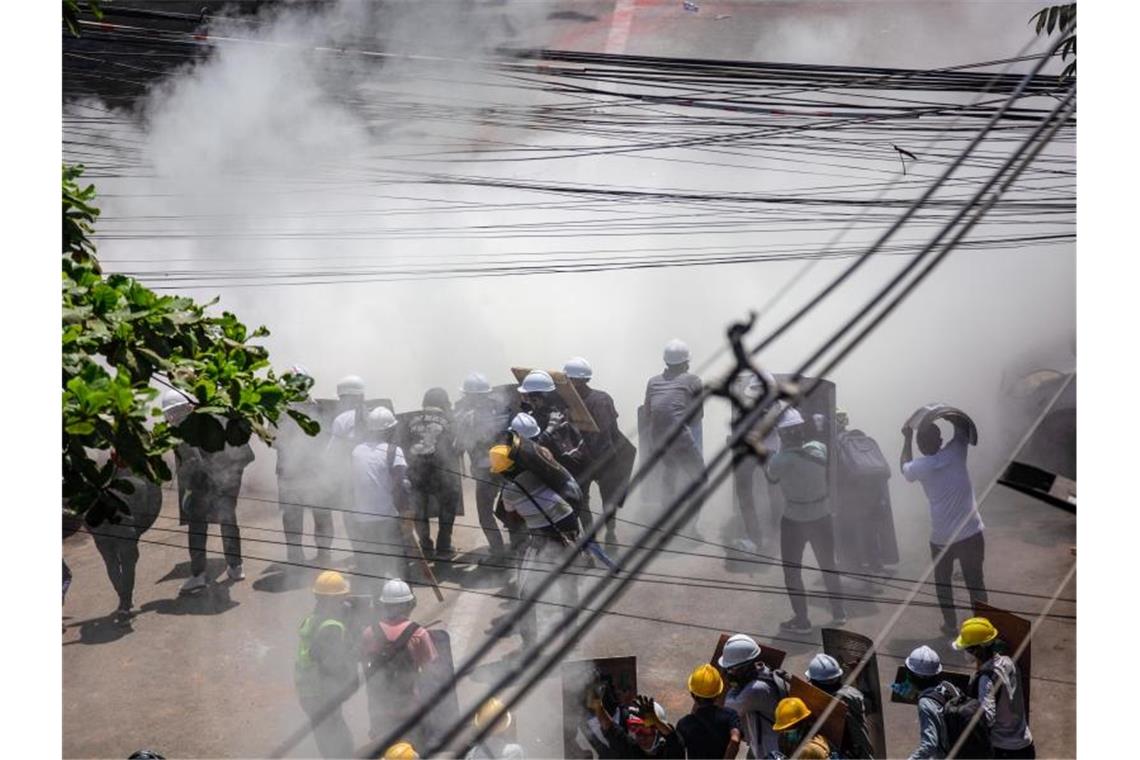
<point>175,406</point>
<point>738,650</point>
<point>380,418</point>
<point>676,352</point>
<point>924,661</point>
<point>823,668</point>
<point>476,383</point>
<point>537,382</point>
<point>790,417</point>
<point>525,425</point>
<point>350,385</point>
<point>300,369</point>
<point>396,591</point>
<point>578,369</point>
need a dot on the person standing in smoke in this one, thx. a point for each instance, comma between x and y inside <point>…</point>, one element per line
<point>608,452</point>
<point>299,459</point>
<point>541,401</point>
<point>433,471</point>
<point>955,525</point>
<point>745,474</point>
<point>863,513</point>
<point>208,488</point>
<point>118,542</point>
<point>347,430</point>
<point>543,494</point>
<point>667,396</point>
<point>801,470</point>
<point>380,495</point>
<point>479,420</point>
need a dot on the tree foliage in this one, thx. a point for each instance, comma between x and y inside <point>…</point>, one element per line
<point>1060,19</point>
<point>119,338</point>
<point>71,10</point>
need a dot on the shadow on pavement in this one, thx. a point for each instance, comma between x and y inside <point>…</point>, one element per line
<point>100,630</point>
<point>214,599</point>
<point>215,566</point>
<point>284,579</point>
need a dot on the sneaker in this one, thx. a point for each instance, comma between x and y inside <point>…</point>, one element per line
<point>235,573</point>
<point>746,545</point>
<point>445,553</point>
<point>796,625</point>
<point>194,582</point>
<point>122,616</point>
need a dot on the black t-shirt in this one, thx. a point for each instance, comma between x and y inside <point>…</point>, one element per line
<point>707,731</point>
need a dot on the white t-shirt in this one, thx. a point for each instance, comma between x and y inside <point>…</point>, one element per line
<point>372,483</point>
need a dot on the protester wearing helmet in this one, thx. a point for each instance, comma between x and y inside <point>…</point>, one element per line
<point>401,751</point>
<point>300,478</point>
<point>395,650</point>
<point>646,731</point>
<point>433,471</point>
<point>709,730</point>
<point>500,743</point>
<point>997,682</point>
<point>792,724</point>
<point>325,669</point>
<point>380,499</point>
<point>825,674</point>
<point>924,684</point>
<point>609,453</point>
<point>667,399</point>
<point>480,418</point>
<point>800,468</point>
<point>754,691</point>
<point>543,494</point>
<point>540,399</point>
<point>747,472</point>
<point>345,432</point>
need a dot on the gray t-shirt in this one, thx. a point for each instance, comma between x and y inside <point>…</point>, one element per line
<point>755,702</point>
<point>802,475</point>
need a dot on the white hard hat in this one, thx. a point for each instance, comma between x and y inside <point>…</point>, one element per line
<point>476,382</point>
<point>396,591</point>
<point>823,668</point>
<point>578,369</point>
<point>739,649</point>
<point>300,369</point>
<point>676,352</point>
<point>790,418</point>
<point>924,661</point>
<point>525,425</point>
<point>380,418</point>
<point>537,382</point>
<point>350,385</point>
<point>658,710</point>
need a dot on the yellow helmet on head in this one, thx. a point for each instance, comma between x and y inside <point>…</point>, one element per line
<point>330,583</point>
<point>974,632</point>
<point>493,711</point>
<point>705,682</point>
<point>501,460</point>
<point>789,712</point>
<point>401,751</point>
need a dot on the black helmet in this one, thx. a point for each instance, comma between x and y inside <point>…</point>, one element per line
<point>146,754</point>
<point>438,398</point>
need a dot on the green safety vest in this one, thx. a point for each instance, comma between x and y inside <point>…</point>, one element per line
<point>305,671</point>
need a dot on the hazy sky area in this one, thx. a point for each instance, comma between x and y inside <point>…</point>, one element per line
<point>268,169</point>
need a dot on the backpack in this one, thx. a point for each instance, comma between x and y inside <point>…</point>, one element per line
<point>391,670</point>
<point>861,458</point>
<point>957,712</point>
<point>427,433</point>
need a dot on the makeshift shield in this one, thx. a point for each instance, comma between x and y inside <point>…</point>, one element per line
<point>580,416</point>
<point>849,649</point>
<point>1013,630</point>
<point>436,673</point>
<point>899,692</point>
<point>614,679</point>
<point>928,414</point>
<point>818,701</point>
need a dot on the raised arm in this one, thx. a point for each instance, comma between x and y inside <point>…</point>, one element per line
<point>907,454</point>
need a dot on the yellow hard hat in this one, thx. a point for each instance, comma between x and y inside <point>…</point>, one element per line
<point>705,682</point>
<point>789,712</point>
<point>330,583</point>
<point>974,632</point>
<point>401,751</point>
<point>493,710</point>
<point>501,458</point>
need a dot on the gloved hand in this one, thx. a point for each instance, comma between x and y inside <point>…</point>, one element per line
<point>593,698</point>
<point>645,709</point>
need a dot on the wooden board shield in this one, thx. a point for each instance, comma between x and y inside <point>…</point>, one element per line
<point>579,415</point>
<point>617,676</point>
<point>927,414</point>
<point>817,700</point>
<point>1012,629</point>
<point>961,680</point>
<point>848,649</point>
<point>769,655</point>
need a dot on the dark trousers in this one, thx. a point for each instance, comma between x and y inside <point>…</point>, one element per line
<point>794,536</point>
<point>582,511</point>
<point>485,491</point>
<point>226,511</point>
<point>447,501</point>
<point>1027,752</point>
<point>333,737</point>
<point>294,500</point>
<point>381,553</point>
<point>971,555</point>
<point>119,547</point>
<point>682,465</point>
<point>66,579</point>
<point>744,476</point>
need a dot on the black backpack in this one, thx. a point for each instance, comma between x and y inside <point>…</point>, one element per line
<point>427,438</point>
<point>957,712</point>
<point>861,458</point>
<point>392,669</point>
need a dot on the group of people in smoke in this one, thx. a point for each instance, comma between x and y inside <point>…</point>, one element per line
<point>533,470</point>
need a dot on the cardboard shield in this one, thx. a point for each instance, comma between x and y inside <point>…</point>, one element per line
<point>769,655</point>
<point>818,700</point>
<point>929,413</point>
<point>615,678</point>
<point>580,416</point>
<point>438,672</point>
<point>960,680</point>
<point>1013,630</point>
<point>849,649</point>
